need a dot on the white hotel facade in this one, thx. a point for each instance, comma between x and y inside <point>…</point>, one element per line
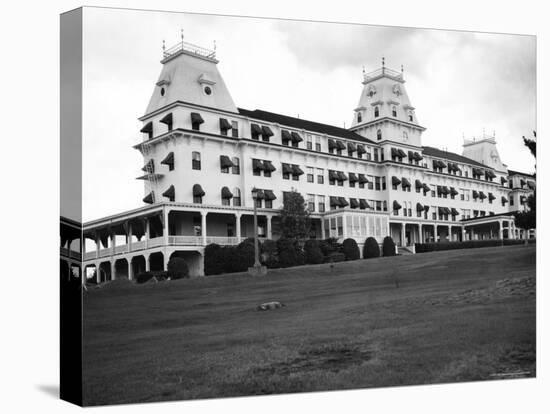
<point>203,155</point>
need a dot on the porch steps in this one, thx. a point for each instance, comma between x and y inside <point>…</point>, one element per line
<point>405,250</point>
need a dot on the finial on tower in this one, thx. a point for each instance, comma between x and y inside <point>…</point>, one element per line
<point>401,69</point>
<point>163,46</point>
<point>214,45</point>
<point>181,34</point>
<point>383,62</point>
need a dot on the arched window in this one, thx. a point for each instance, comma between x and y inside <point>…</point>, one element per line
<point>236,197</point>
<point>379,134</point>
<point>376,112</point>
<point>394,111</point>
<point>196,163</point>
<point>359,117</point>
<point>236,169</point>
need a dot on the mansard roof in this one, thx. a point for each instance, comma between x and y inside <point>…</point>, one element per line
<point>512,172</point>
<point>435,152</point>
<point>299,123</point>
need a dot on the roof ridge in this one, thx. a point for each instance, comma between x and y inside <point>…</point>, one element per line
<point>462,157</point>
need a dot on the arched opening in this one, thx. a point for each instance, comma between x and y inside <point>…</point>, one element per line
<point>104,272</point>
<point>156,262</point>
<point>121,269</point>
<point>193,260</point>
<point>138,265</point>
<point>90,273</point>
<point>376,112</point>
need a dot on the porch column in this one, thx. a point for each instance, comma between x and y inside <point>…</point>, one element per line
<point>511,230</point>
<point>166,259</point>
<point>500,231</point>
<point>323,228</point>
<point>113,242</point>
<point>97,273</point>
<point>97,244</point>
<point>147,264</point>
<point>165,226</point>
<point>130,234</point>
<point>421,232</point>
<point>268,220</point>
<point>449,234</point>
<point>238,226</point>
<point>402,234</point>
<point>203,227</point>
<point>471,233</point>
<point>113,270</point>
<point>130,268</point>
<point>147,231</point>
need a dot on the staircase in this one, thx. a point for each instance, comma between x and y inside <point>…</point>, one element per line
<point>405,250</point>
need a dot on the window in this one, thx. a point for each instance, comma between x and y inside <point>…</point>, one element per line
<point>197,199</point>
<point>511,200</point>
<point>378,205</point>
<point>370,178</point>
<point>368,153</point>
<point>352,184</point>
<point>432,190</point>
<point>320,176</point>
<point>317,143</point>
<point>311,202</point>
<point>377,183</point>
<point>405,136</point>
<point>259,203</point>
<point>225,201</point>
<point>310,174</point>
<point>236,169</point>
<point>236,197</point>
<point>410,116</point>
<point>256,171</point>
<point>379,134</point>
<point>434,212</point>
<point>376,112</point>
<point>197,226</point>
<point>376,154</point>
<point>385,205</point>
<point>394,111</point>
<point>234,129</point>
<point>196,160</point>
<point>309,142</point>
<point>321,203</point>
<point>268,203</point>
<point>331,179</point>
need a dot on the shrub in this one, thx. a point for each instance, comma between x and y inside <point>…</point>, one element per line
<point>244,256</point>
<point>312,252</point>
<point>330,245</point>
<point>213,260</point>
<point>177,268</point>
<point>469,244</point>
<point>144,277</point>
<point>289,252</point>
<point>350,249</point>
<point>371,248</point>
<point>269,254</point>
<point>388,246</point>
<point>335,257</point>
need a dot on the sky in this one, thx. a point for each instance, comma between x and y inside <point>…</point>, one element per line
<point>461,83</point>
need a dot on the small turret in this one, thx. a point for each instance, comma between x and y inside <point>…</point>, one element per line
<point>484,150</point>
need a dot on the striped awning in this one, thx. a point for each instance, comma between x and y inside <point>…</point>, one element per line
<point>296,170</point>
<point>445,190</point>
<point>394,152</point>
<point>170,193</point>
<point>482,195</point>
<point>361,149</point>
<point>343,202</point>
<point>225,162</point>
<point>351,147</point>
<point>353,203</point>
<point>226,193</point>
<point>353,178</point>
<point>401,153</point>
<point>417,156</point>
<point>396,205</point>
<point>342,176</point>
<point>454,211</point>
<point>147,128</point>
<point>426,188</point>
<point>296,137</point>
<point>168,119</point>
<point>332,175</point>
<point>257,165</point>
<point>196,118</point>
<point>477,171</point>
<point>149,198</point>
<point>426,208</point>
<point>503,200</point>
<point>198,191</point>
<point>149,167</point>
<point>334,201</point>
<point>503,180</point>
<point>268,166</point>
<point>453,191</point>
<point>269,195</point>
<point>287,168</point>
<point>285,135</point>
<point>255,130</point>
<point>260,195</point>
<point>405,183</point>
<point>266,131</point>
<point>419,207</point>
<point>490,174</point>
<point>418,184</point>
<point>475,194</point>
<point>363,179</point>
<point>169,159</point>
<point>331,143</point>
<point>395,180</point>
<point>491,197</point>
<point>363,204</point>
<point>224,124</point>
<point>531,185</point>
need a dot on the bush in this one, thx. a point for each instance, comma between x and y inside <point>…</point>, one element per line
<point>312,252</point>
<point>244,256</point>
<point>335,257</point>
<point>144,277</point>
<point>330,245</point>
<point>213,260</point>
<point>350,249</point>
<point>290,253</point>
<point>469,244</point>
<point>388,246</point>
<point>177,268</point>
<point>269,254</point>
<point>371,248</point>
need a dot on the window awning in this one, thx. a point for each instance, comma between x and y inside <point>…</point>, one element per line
<point>475,194</point>
<point>353,178</point>
<point>170,193</point>
<point>394,152</point>
<point>405,183</point>
<point>167,119</point>
<point>401,153</point>
<point>285,135</point>
<point>361,149</point>
<point>531,185</point>
<point>419,207</point>
<point>417,156</point>
<point>447,210</point>
<point>503,180</point>
<point>198,191</point>
<point>351,147</point>
<point>441,210</point>
<point>268,166</point>
<point>410,154</point>
<point>296,170</point>
<point>418,184</point>
<point>396,205</point>
<point>491,197</point>
<point>522,182</point>
<point>266,131</point>
<point>340,145</point>
<point>445,190</point>
<point>332,175</point>
<point>454,211</point>
<point>269,195</point>
<point>363,179</point>
<point>395,180</point>
<point>342,176</point>
<point>490,174</point>
<point>331,143</point>
<point>149,167</point>
<point>343,202</point>
<point>477,171</point>
<point>453,191</point>
<point>224,124</point>
<point>147,128</point>
<point>226,193</point>
<point>287,169</point>
<point>260,195</point>
<point>196,118</point>
<point>439,189</point>
<point>504,200</point>
<point>450,166</point>
<point>334,201</point>
<point>353,203</point>
<point>482,195</point>
<point>296,137</point>
<point>169,159</point>
<point>149,198</point>
<point>225,162</point>
<point>363,204</point>
<point>255,129</point>
<point>257,165</point>
<point>426,208</point>
<point>426,187</point>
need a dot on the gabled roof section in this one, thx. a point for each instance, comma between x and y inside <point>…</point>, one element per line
<point>299,123</point>
<point>435,152</point>
<point>512,172</point>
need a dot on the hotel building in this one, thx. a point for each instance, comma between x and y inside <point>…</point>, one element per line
<point>202,156</point>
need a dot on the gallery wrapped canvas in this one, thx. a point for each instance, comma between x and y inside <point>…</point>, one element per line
<point>253,206</point>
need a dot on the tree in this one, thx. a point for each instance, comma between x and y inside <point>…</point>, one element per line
<point>295,222</point>
<point>289,252</point>
<point>350,249</point>
<point>213,260</point>
<point>527,220</point>
<point>371,248</point>
<point>312,252</point>
<point>388,246</point>
<point>177,268</point>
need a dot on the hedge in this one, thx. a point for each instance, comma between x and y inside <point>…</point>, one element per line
<point>270,254</point>
<point>351,249</point>
<point>290,253</point>
<point>469,244</point>
<point>213,259</point>
<point>371,248</point>
<point>388,246</point>
<point>335,257</point>
<point>146,276</point>
<point>177,268</point>
<point>312,252</point>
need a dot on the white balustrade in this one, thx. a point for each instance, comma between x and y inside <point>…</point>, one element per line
<point>139,245</point>
<point>121,249</point>
<point>185,240</point>
<point>155,241</point>
<point>90,255</point>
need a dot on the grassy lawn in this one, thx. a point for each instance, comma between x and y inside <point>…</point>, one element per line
<point>460,315</point>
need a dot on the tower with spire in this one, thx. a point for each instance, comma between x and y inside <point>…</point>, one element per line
<point>384,112</point>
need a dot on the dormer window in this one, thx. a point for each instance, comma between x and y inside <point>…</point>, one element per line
<point>376,112</point>
<point>379,135</point>
<point>410,116</point>
<point>394,111</point>
<point>359,117</point>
